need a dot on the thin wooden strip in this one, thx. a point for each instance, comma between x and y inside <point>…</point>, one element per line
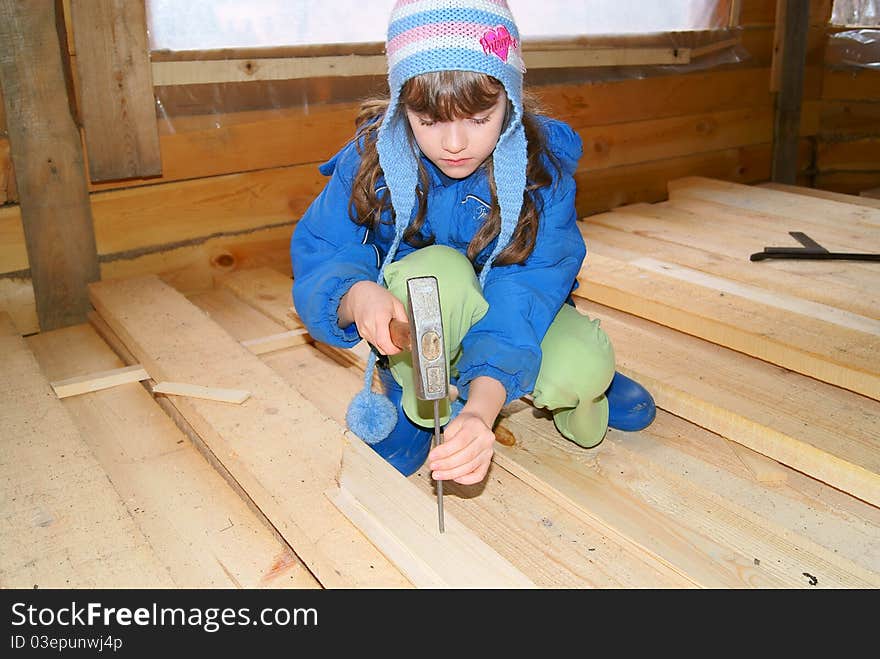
<point>403,522</point>
<point>789,303</point>
<point>96,381</point>
<point>198,526</point>
<point>64,526</point>
<point>237,396</point>
<point>278,341</point>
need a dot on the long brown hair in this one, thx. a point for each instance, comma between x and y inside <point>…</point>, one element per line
<point>445,96</point>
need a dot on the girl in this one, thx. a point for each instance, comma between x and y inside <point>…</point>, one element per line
<point>455,177</point>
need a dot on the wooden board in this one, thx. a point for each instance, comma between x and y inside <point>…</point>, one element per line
<point>636,233</point>
<point>758,328</point>
<point>63,524</point>
<point>403,522</point>
<point>47,154</point>
<point>115,89</point>
<point>139,221</point>
<point>823,194</point>
<point>276,445</point>
<point>820,430</point>
<point>774,202</point>
<point>196,524</point>
<point>709,538</point>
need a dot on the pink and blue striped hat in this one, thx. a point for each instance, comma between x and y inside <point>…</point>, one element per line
<point>443,35</point>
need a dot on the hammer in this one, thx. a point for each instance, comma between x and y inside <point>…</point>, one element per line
<point>423,335</point>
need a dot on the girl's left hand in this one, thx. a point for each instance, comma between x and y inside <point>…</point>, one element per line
<point>466,452</point>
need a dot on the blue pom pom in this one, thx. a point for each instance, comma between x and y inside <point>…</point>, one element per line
<point>371,416</point>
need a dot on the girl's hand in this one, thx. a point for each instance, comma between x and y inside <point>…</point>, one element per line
<point>466,452</point>
<point>371,307</point>
<point>469,443</point>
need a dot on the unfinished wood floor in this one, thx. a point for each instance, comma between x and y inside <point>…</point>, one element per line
<point>762,469</point>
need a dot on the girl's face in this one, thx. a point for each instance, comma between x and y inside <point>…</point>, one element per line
<point>460,146</point>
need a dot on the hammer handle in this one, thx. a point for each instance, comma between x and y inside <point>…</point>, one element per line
<point>400,334</point>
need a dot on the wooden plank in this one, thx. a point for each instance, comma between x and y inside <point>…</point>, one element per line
<point>709,538</point>
<point>279,448</point>
<point>199,528</point>
<point>290,68</point>
<point>63,524</point>
<point>130,223</point>
<point>402,521</point>
<point>600,190</point>
<point>116,89</point>
<point>629,234</point>
<point>824,194</point>
<point>773,202</point>
<point>81,384</point>
<point>547,543</point>
<point>8,190</point>
<point>823,431</point>
<point>789,101</point>
<point>630,143</point>
<point>266,290</point>
<point>788,339</point>
<point>870,195</point>
<point>48,159</point>
<point>850,155</point>
<point>851,84</point>
<point>847,182</point>
<point>219,394</point>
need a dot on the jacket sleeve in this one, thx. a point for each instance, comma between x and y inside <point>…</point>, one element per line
<point>329,253</point>
<point>524,300</point>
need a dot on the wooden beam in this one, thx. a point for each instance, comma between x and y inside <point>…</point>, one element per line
<point>291,68</point>
<point>55,494</point>
<point>116,89</point>
<point>47,154</point>
<point>402,521</point>
<point>787,123</point>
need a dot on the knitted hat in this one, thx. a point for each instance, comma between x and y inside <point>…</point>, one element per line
<point>425,36</point>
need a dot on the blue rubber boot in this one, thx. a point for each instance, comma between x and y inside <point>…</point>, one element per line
<point>408,445</point>
<point>630,406</point>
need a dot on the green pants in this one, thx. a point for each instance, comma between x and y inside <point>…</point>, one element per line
<point>577,357</point>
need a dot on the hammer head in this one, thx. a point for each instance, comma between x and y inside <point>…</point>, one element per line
<point>428,346</point>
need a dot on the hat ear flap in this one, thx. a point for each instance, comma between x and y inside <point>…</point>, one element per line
<point>508,162</point>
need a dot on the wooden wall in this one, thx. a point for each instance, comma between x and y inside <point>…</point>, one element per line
<point>848,144</point>
<point>234,183</point>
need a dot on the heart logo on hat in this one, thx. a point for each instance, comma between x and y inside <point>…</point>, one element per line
<point>497,40</point>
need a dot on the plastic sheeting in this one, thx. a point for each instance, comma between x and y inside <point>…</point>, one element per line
<point>854,49</point>
<point>213,26</point>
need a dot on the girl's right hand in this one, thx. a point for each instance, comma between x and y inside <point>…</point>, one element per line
<point>371,307</point>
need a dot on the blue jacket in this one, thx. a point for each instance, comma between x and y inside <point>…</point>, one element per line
<point>330,252</point>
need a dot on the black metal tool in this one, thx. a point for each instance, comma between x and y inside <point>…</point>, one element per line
<point>810,250</point>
